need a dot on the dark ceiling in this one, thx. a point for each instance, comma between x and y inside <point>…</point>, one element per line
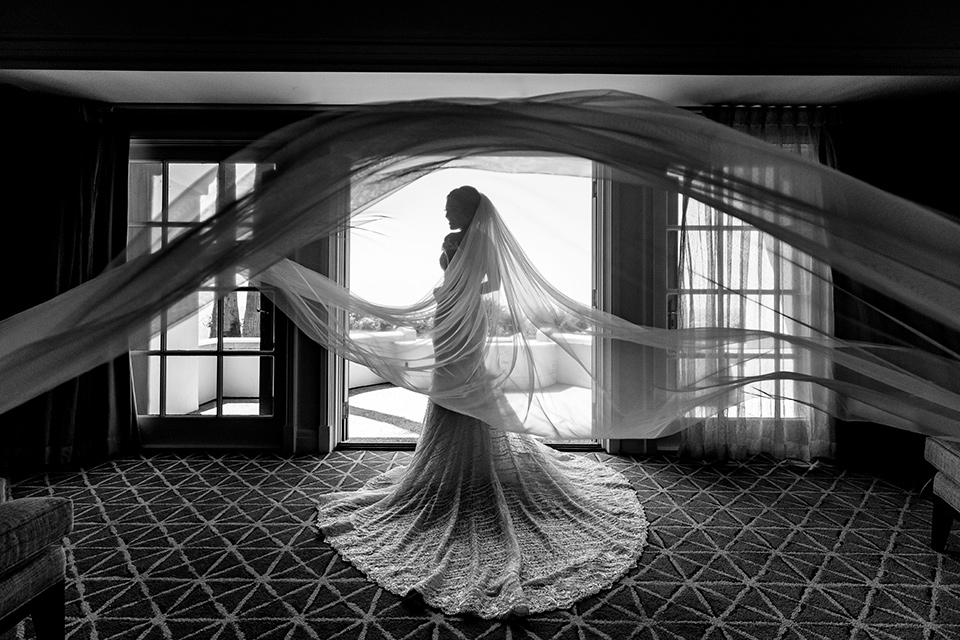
<point>811,38</point>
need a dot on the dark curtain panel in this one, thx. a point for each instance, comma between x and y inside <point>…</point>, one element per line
<point>63,182</point>
<point>789,127</point>
<point>907,148</point>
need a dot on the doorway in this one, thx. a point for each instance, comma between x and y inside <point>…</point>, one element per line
<point>546,202</point>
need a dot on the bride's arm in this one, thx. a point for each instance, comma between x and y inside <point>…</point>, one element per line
<point>492,283</point>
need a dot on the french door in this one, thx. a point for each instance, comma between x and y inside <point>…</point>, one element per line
<point>549,210</point>
<point>636,249</point>
<point>217,378</point>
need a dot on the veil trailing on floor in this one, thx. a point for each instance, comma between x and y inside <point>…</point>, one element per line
<point>331,169</point>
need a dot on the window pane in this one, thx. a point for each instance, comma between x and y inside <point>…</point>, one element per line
<point>747,265</point>
<point>727,220</point>
<point>749,312</point>
<point>145,195</point>
<point>698,213</point>
<point>246,175</point>
<point>248,309</point>
<point>146,383</point>
<point>758,396</point>
<point>146,338</point>
<point>191,384</point>
<point>231,316</point>
<point>144,206</point>
<point>701,267</point>
<point>248,385</point>
<point>797,313</point>
<point>143,240</point>
<point>790,389</point>
<point>673,258</point>
<point>199,329</point>
<point>702,310</point>
<point>764,403</point>
<point>175,231</point>
<point>193,191</point>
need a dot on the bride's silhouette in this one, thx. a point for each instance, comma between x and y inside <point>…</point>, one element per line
<point>484,521</point>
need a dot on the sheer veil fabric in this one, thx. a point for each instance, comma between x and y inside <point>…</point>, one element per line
<point>332,168</point>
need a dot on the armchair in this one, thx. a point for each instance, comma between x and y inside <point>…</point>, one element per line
<point>944,455</point>
<point>32,562</point>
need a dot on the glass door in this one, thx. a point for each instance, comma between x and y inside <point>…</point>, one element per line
<point>393,259</point>
<point>213,379</point>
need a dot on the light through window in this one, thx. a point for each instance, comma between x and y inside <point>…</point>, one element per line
<point>219,361</point>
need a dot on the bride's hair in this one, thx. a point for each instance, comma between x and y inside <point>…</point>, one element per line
<point>466,196</point>
<point>467,199</point>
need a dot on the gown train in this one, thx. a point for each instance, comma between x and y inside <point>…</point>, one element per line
<point>489,522</point>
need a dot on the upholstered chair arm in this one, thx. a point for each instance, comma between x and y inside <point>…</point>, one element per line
<point>29,525</point>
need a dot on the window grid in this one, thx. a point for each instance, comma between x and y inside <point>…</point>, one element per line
<point>782,409</point>
<point>169,229</point>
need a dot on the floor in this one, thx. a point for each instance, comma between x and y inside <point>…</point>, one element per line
<point>221,547</point>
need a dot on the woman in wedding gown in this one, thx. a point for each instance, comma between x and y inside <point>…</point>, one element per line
<point>482,520</point>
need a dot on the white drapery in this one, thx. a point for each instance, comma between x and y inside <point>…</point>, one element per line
<point>734,275</point>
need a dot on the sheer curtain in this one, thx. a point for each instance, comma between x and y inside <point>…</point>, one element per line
<point>733,275</point>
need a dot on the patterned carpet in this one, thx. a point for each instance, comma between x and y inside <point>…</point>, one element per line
<point>218,547</point>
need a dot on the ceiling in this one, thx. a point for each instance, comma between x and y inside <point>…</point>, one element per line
<point>347,87</point>
<point>307,53</point>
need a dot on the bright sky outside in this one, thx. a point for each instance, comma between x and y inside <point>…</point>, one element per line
<point>394,259</point>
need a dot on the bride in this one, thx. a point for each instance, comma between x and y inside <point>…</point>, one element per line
<point>482,520</point>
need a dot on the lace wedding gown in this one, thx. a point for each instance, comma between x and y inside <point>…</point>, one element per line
<point>489,522</point>
<point>485,521</point>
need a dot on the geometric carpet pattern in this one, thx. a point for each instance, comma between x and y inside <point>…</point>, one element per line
<point>221,547</point>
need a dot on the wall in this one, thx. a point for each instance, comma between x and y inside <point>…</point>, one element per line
<point>908,149</point>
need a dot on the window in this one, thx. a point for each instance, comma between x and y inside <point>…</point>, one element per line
<point>214,378</point>
<point>710,269</point>
<point>736,276</point>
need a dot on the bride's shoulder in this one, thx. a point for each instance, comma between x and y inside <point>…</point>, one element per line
<point>453,239</point>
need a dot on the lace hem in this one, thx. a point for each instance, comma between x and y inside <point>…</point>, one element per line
<point>591,581</point>
<point>489,523</point>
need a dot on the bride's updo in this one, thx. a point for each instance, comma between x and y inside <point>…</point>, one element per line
<point>465,200</point>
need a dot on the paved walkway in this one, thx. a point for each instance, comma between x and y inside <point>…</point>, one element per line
<point>385,411</point>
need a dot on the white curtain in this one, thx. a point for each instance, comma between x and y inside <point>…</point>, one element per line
<point>733,275</point>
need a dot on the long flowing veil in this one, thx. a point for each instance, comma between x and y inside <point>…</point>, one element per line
<point>332,168</point>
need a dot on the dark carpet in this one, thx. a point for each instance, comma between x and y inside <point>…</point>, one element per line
<point>209,546</point>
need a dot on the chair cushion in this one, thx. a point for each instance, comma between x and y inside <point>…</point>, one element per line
<point>944,455</point>
<point>29,525</point>
<point>42,572</point>
<point>948,489</point>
